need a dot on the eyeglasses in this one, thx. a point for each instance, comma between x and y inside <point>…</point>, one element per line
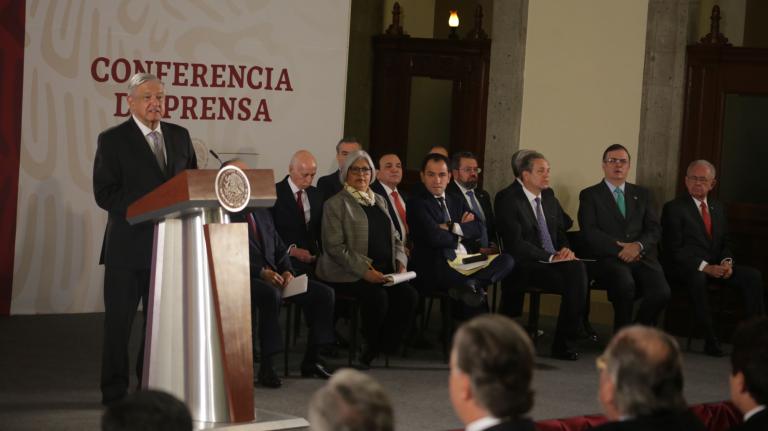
<point>698,179</point>
<point>360,170</point>
<point>471,170</point>
<point>612,161</point>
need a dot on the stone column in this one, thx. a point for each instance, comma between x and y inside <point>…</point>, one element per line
<point>661,115</point>
<point>505,93</point>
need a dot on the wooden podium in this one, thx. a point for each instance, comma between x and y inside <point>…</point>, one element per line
<point>198,340</point>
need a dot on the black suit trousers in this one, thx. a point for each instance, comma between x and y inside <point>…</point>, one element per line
<point>123,289</point>
<point>746,279</point>
<point>567,279</point>
<point>386,311</point>
<point>317,303</point>
<point>627,281</point>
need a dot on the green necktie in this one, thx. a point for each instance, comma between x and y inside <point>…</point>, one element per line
<point>620,201</point>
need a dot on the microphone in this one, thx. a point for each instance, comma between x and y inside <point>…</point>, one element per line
<point>216,156</point>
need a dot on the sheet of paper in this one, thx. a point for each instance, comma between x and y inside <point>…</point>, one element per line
<point>559,261</point>
<point>297,286</point>
<point>396,278</point>
<point>470,268</point>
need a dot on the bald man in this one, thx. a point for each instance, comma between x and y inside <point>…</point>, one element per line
<point>298,210</point>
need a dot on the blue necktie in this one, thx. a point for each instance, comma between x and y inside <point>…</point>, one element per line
<point>476,210</point>
<point>546,240</point>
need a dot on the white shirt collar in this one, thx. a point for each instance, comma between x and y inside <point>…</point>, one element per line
<point>753,412</point>
<point>698,202</point>
<point>293,186</point>
<point>387,189</point>
<point>441,196</point>
<point>144,129</point>
<point>530,195</point>
<point>482,423</point>
<point>463,189</point>
<point>613,188</point>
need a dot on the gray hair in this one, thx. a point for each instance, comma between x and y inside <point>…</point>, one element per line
<point>140,78</point>
<point>646,367</point>
<point>352,158</point>
<point>703,162</point>
<point>497,355</point>
<point>517,158</point>
<point>526,161</point>
<point>351,401</point>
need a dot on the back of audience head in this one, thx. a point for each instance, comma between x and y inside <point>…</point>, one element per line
<point>641,374</point>
<point>148,411</point>
<point>491,369</point>
<point>351,401</point>
<point>749,365</point>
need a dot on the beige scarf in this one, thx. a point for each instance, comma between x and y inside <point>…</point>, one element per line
<point>365,198</point>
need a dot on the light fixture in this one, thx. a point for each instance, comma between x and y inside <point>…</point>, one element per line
<point>453,23</point>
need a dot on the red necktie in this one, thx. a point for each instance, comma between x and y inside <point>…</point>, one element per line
<point>300,203</point>
<point>707,220</point>
<point>400,209</point>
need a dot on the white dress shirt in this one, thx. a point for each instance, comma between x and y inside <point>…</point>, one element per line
<point>389,191</point>
<point>304,199</point>
<point>146,131</point>
<point>482,423</point>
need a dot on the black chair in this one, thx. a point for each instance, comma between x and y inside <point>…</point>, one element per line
<point>447,322</point>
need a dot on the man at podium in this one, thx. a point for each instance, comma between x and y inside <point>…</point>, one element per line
<point>132,159</point>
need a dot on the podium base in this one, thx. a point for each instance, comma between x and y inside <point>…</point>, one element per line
<point>266,420</point>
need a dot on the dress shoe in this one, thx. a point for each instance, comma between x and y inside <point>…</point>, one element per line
<point>565,354</point>
<point>315,369</point>
<point>468,293</point>
<point>268,378</point>
<point>365,359</point>
<point>712,348</point>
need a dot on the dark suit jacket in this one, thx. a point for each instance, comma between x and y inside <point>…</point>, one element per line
<point>602,225</point>
<point>379,190</point>
<point>519,229</point>
<point>329,185</point>
<point>685,242</point>
<point>523,424</point>
<point>484,199</point>
<point>290,223</point>
<point>270,251</point>
<point>124,170</point>
<point>432,245</point>
<point>758,422</point>
<point>665,421</point>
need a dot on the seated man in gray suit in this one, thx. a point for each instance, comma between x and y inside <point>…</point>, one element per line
<point>621,230</point>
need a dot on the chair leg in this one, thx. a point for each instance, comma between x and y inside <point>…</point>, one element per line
<point>353,332</point>
<point>286,347</point>
<point>297,324</point>
<point>425,317</point>
<point>533,315</point>
<point>445,311</point>
<point>585,318</point>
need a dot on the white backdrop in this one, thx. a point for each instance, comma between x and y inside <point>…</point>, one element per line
<point>77,54</point>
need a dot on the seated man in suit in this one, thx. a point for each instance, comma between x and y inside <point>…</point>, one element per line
<point>487,393</point>
<point>388,177</point>
<point>438,223</point>
<point>517,158</point>
<point>641,383</point>
<point>621,230</point>
<point>271,271</point>
<point>298,212</point>
<point>533,232</point>
<point>695,246</point>
<point>465,172</point>
<point>749,374</point>
<point>330,184</point>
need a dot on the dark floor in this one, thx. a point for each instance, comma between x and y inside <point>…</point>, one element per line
<point>49,379</point>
